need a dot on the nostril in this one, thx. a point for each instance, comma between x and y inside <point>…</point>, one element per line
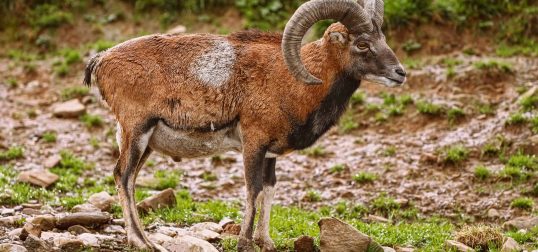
<point>400,72</point>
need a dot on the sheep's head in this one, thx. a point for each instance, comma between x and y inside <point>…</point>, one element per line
<point>370,58</point>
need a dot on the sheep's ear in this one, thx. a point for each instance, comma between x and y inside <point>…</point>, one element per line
<point>338,38</point>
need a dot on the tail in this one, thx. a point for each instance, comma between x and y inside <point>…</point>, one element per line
<point>90,68</point>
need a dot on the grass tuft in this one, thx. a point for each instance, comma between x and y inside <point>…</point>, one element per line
<point>14,152</point>
<point>480,237</point>
<point>49,137</point>
<point>523,203</point>
<point>481,172</point>
<point>428,108</point>
<point>455,154</point>
<point>92,121</point>
<point>364,177</point>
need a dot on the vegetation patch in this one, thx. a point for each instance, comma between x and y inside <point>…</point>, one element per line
<point>480,237</point>
<point>481,172</point>
<point>455,155</point>
<point>49,137</point>
<point>364,177</point>
<point>74,92</point>
<point>91,121</point>
<point>428,108</point>
<point>523,203</point>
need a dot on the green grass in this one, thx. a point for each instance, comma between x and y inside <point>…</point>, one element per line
<point>347,123</point>
<point>522,203</point>
<point>92,121</point>
<point>454,114</point>
<point>312,196</point>
<point>481,172</point>
<point>534,124</point>
<point>389,151</point>
<point>428,108</point>
<point>494,65</point>
<point>74,92</point>
<point>336,169</point>
<point>455,155</point>
<point>490,150</point>
<point>358,98</point>
<point>102,45</point>
<point>49,137</point>
<point>384,205</point>
<point>523,161</point>
<point>516,119</point>
<point>14,152</point>
<point>514,173</point>
<point>485,109</point>
<point>209,176</point>
<point>49,16</point>
<point>364,177</point>
<point>167,179</point>
<point>315,152</point>
<point>529,103</point>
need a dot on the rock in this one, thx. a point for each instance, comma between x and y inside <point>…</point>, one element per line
<point>120,222</point>
<point>457,246</point>
<point>388,249</point>
<point>510,245</point>
<point>524,222</point>
<point>225,221</point>
<point>337,236</point>
<point>70,245</point>
<point>207,226</point>
<point>304,244</point>
<point>29,229</point>
<point>178,29</point>
<point>6,247</point>
<point>102,200</point>
<point>32,205</point>
<point>15,233</point>
<point>233,229</point>
<point>207,235</point>
<point>404,249</point>
<point>52,161</point>
<point>39,177</point>
<point>163,199</point>
<point>114,229</point>
<point>44,222</point>
<point>94,240</point>
<point>69,109</point>
<point>493,213</point>
<point>9,221</point>
<point>188,244</point>
<point>85,219</point>
<point>85,208</point>
<point>8,212</point>
<point>31,211</point>
<point>374,218</point>
<point>428,158</point>
<point>34,244</point>
<point>159,238</point>
<point>78,229</point>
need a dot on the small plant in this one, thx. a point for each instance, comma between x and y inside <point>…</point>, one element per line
<point>150,163</point>
<point>74,92</point>
<point>480,237</point>
<point>490,150</point>
<point>529,103</point>
<point>358,98</point>
<point>102,45</point>
<point>209,176</point>
<point>312,196</point>
<point>512,173</point>
<point>412,63</point>
<point>364,177</point>
<point>516,119</point>
<point>316,151</point>
<point>522,203</point>
<point>12,82</point>
<point>534,125</point>
<point>384,204</point>
<point>12,153</point>
<point>481,172</point>
<point>166,179</point>
<point>94,142</point>
<point>347,123</point>
<point>61,69</point>
<point>454,114</point>
<point>380,117</point>
<point>405,100</point>
<point>71,56</point>
<point>91,121</point>
<point>411,46</point>
<point>389,151</point>
<point>49,137</point>
<point>493,65</point>
<point>428,108</point>
<point>455,154</point>
<point>485,109</point>
<point>395,110</point>
<point>339,168</point>
<point>523,161</point>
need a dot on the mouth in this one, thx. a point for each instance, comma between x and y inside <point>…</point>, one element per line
<point>389,82</point>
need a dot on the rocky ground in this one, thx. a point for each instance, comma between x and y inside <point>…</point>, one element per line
<point>418,146</point>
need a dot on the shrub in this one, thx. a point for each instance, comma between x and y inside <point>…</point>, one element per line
<point>524,162</point>
<point>529,103</point>
<point>480,237</point>
<point>49,16</point>
<point>516,119</point>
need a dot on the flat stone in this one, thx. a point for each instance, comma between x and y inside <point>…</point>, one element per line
<point>78,229</point>
<point>86,219</point>
<point>188,244</point>
<point>159,238</point>
<point>510,245</point>
<point>85,208</point>
<point>304,244</point>
<point>524,222</point>
<point>31,211</point>
<point>15,233</point>
<point>8,212</point>
<point>32,205</point>
<point>163,199</point>
<point>458,246</point>
<point>52,161</point>
<point>102,200</point>
<point>207,226</point>
<point>38,177</point>
<point>120,222</point>
<point>69,109</point>
<point>44,222</point>
<point>114,229</point>
<point>10,221</point>
<point>34,244</point>
<point>94,240</point>
<point>337,236</point>
<point>7,247</point>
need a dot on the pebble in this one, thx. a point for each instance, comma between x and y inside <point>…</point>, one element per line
<point>52,161</point>
<point>39,177</point>
<point>458,246</point>
<point>102,200</point>
<point>78,229</point>
<point>163,199</point>
<point>44,222</point>
<point>69,109</point>
<point>7,247</point>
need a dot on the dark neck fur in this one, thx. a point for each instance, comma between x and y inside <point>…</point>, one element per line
<point>326,115</point>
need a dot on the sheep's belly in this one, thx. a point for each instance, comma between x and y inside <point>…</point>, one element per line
<point>191,144</point>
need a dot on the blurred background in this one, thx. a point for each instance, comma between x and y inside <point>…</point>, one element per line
<point>450,156</point>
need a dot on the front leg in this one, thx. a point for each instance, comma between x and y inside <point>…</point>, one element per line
<point>261,235</point>
<point>253,157</point>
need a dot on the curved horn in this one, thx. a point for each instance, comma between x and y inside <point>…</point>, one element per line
<point>375,8</point>
<point>347,12</point>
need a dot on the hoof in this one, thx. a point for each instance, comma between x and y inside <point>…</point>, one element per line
<point>245,245</point>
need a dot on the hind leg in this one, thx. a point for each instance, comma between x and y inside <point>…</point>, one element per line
<point>261,235</point>
<point>134,151</point>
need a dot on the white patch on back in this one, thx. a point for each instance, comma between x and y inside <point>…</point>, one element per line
<point>214,68</point>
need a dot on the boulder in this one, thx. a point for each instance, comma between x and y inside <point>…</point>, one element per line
<point>86,219</point>
<point>38,177</point>
<point>102,200</point>
<point>163,199</point>
<point>524,222</point>
<point>187,243</point>
<point>457,246</point>
<point>71,245</point>
<point>304,244</point>
<point>34,244</point>
<point>8,212</point>
<point>44,222</point>
<point>7,247</point>
<point>207,235</point>
<point>69,109</point>
<point>510,245</point>
<point>337,236</point>
<point>225,221</point>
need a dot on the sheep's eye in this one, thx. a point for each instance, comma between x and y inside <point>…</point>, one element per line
<point>363,46</point>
